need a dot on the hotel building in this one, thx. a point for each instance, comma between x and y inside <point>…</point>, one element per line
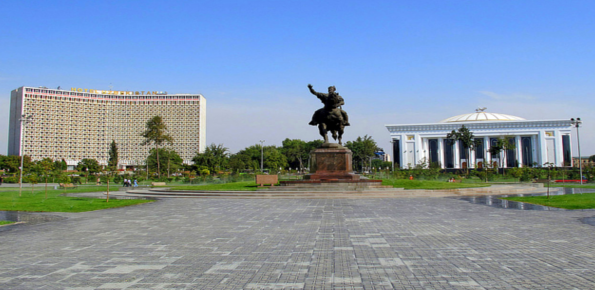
<point>81,123</point>
<point>536,142</point>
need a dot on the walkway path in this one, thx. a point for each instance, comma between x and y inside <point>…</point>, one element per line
<point>393,243</point>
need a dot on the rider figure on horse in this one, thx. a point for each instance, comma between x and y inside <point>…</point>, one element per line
<point>331,101</point>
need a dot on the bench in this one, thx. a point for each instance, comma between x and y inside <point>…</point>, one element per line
<point>67,185</point>
<point>157,183</point>
<point>570,181</point>
<point>267,179</point>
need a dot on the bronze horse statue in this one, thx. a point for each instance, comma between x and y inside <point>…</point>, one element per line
<point>331,117</point>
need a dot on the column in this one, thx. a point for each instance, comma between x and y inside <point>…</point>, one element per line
<point>487,157</point>
<point>534,150</point>
<point>559,152</point>
<point>441,152</point>
<point>457,155</point>
<point>519,150</point>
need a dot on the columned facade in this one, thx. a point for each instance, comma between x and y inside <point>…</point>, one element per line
<point>535,143</point>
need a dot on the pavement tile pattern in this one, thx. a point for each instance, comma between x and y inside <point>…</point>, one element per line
<point>405,243</point>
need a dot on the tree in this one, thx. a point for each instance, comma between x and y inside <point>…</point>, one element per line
<point>502,144</point>
<point>112,161</point>
<point>89,166</point>
<point>240,161</point>
<point>215,158</point>
<point>165,155</point>
<point>249,158</point>
<point>295,151</point>
<point>156,134</point>
<point>466,138</point>
<point>274,159</point>
<point>362,149</point>
<point>34,171</point>
<point>60,165</point>
<point>12,163</point>
<point>47,166</point>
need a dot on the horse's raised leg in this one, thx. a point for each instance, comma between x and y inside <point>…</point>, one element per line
<point>334,134</point>
<point>323,131</point>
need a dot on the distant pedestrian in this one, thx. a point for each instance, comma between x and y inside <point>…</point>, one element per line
<point>135,183</point>
<point>410,177</point>
<point>125,182</point>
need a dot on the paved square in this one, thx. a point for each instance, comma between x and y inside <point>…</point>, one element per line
<point>400,243</point>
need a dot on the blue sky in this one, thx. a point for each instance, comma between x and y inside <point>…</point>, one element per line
<point>394,62</point>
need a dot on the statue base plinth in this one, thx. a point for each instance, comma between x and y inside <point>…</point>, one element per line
<point>331,162</point>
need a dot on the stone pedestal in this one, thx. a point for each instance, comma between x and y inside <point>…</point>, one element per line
<point>331,162</point>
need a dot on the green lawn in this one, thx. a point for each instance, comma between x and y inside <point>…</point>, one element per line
<point>231,186</point>
<point>399,183</point>
<point>568,201</point>
<point>5,223</point>
<point>429,184</point>
<point>570,185</point>
<point>36,201</point>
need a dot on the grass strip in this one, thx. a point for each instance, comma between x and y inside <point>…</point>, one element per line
<point>399,183</point>
<point>5,223</point>
<point>36,202</point>
<point>569,185</point>
<point>231,186</point>
<point>429,184</point>
<point>568,201</point>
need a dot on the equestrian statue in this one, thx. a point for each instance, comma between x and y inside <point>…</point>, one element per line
<point>331,117</point>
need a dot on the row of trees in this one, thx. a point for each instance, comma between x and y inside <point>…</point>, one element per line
<point>293,153</point>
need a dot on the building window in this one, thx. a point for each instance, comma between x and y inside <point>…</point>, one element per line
<point>566,149</point>
<point>527,150</point>
<point>397,152</point>
<point>511,160</point>
<point>479,148</point>
<point>494,142</point>
<point>449,157</point>
<point>433,146</point>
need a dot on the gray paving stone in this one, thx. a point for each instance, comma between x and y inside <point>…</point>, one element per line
<point>420,243</point>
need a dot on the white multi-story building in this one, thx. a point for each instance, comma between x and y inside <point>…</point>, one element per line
<point>77,124</point>
<point>536,142</point>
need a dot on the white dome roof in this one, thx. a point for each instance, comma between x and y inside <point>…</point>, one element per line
<point>482,116</point>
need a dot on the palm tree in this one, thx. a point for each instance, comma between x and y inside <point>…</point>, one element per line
<point>466,137</point>
<point>156,134</point>
<point>214,157</point>
<point>501,147</point>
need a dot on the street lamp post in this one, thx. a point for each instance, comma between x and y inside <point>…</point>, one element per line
<point>261,156</point>
<point>576,124</point>
<point>24,121</point>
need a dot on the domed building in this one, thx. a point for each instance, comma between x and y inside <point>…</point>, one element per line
<point>532,142</point>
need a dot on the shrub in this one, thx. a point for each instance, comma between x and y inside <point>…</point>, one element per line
<point>118,179</point>
<point>76,180</point>
<point>11,179</point>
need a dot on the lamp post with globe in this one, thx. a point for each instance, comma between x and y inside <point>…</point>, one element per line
<point>576,123</point>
